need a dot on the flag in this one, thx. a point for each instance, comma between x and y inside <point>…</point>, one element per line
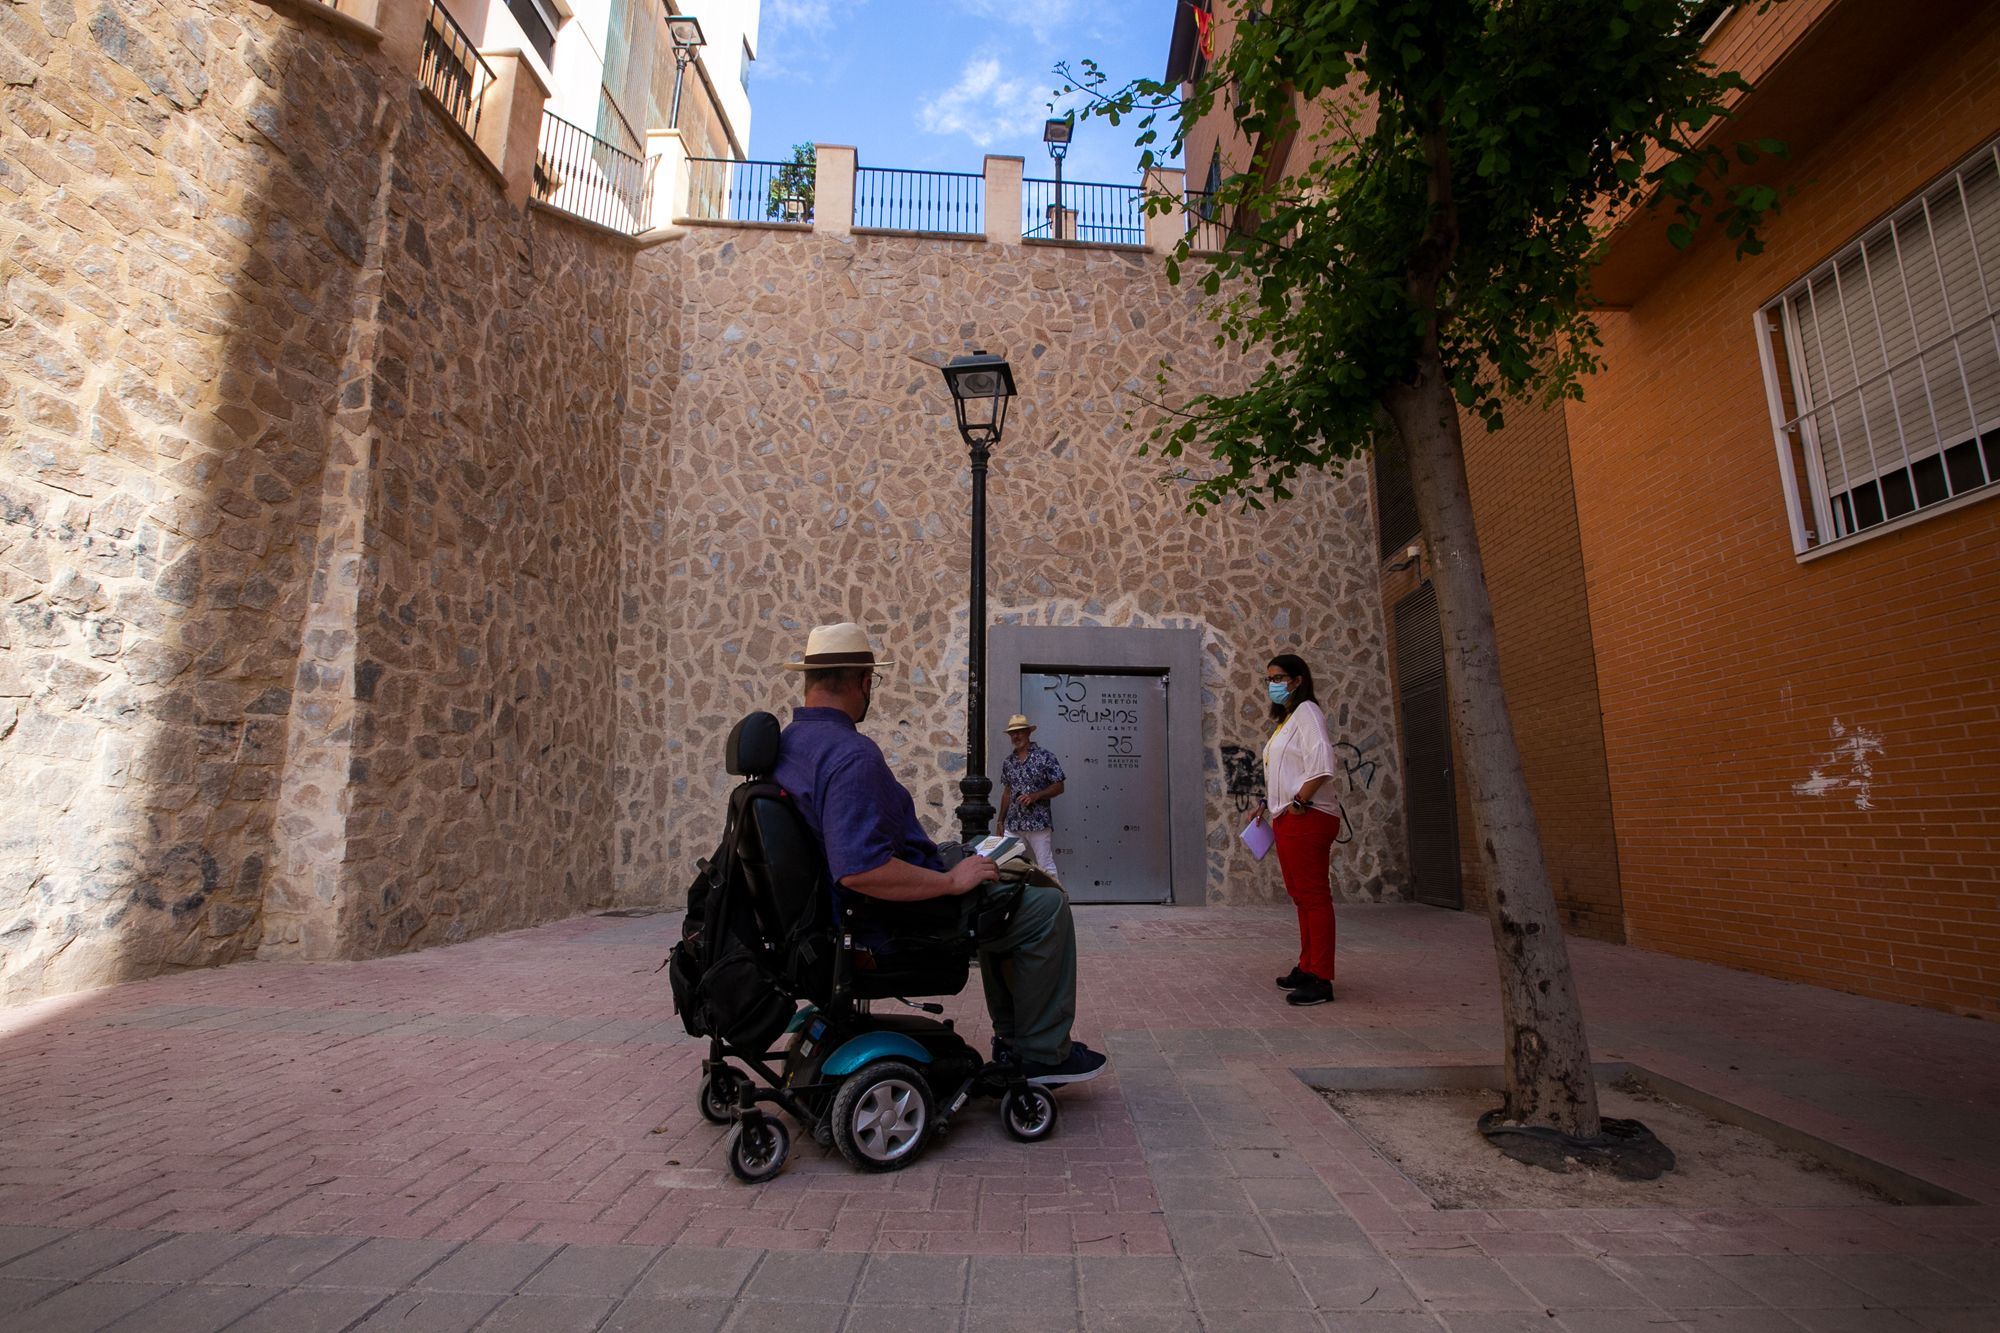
<point>1204,23</point>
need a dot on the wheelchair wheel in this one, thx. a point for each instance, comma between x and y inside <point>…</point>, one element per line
<point>1029,1113</point>
<point>719,1090</point>
<point>758,1147</point>
<point>882,1115</point>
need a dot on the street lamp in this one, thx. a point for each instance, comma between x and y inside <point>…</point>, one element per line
<point>1055,133</point>
<point>684,30</point>
<point>980,387</point>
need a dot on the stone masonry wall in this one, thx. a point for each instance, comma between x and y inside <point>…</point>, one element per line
<point>308,444</point>
<point>799,464</point>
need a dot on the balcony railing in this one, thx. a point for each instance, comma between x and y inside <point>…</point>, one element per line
<point>1091,211</point>
<point>582,174</point>
<point>942,201</point>
<point>1206,228</point>
<point>723,189</point>
<point>451,70</point>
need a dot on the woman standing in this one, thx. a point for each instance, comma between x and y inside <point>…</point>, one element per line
<point>1298,774</point>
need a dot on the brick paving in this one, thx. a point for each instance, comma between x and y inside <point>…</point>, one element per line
<point>502,1135</point>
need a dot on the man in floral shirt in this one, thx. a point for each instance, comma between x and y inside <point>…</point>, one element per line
<point>1029,780</point>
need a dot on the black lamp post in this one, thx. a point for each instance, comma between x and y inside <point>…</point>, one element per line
<point>980,387</point>
<point>685,31</point>
<point>1055,133</point>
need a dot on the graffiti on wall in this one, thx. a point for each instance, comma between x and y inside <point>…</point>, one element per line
<point>1243,776</point>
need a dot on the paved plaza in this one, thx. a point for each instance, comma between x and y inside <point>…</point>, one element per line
<point>503,1135</point>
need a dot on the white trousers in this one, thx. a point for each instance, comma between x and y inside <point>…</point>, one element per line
<point>1042,847</point>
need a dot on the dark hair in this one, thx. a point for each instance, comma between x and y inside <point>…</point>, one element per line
<point>839,679</point>
<point>1293,665</point>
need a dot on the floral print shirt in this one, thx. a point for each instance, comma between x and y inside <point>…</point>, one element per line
<point>1037,770</point>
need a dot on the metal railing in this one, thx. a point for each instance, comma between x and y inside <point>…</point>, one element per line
<point>723,189</point>
<point>1206,227</point>
<point>946,201</point>
<point>1091,211</point>
<point>450,69</point>
<point>581,174</point>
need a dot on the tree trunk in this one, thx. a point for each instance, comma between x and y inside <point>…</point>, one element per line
<point>1547,1055</point>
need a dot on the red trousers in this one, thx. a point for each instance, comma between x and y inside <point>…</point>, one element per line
<point>1305,842</point>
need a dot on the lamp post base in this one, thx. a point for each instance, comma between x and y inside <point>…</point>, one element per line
<point>975,812</point>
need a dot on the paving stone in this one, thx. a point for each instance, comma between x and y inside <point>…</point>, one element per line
<point>1314,1233</point>
<point>1222,1285</point>
<point>1259,1321</point>
<point>592,1270</point>
<point>696,1275</point>
<point>1746,1319</point>
<point>383,1265</point>
<point>1463,1282</point>
<point>1571,1283</point>
<point>17,1241</point>
<point>932,1280</point>
<point>320,1310</point>
<point>81,1254</point>
<point>1870,1319</point>
<point>804,1276</point>
<point>282,1261</point>
<point>903,1318</point>
<point>543,1314</point>
<point>1022,1282</point>
<point>1354,1280</point>
<point>1274,1194</point>
<point>487,1267</point>
<point>1677,1281</point>
<point>18,1293</point>
<point>193,1309</point>
<point>89,1306</point>
<point>182,1258</point>
<point>431,1312</point>
<point>754,1316</point>
<point>1220,1234</point>
<point>633,1315</point>
<point>1142,1321</point>
<point>1897,1280</point>
<point>978,1320</point>
<point>1113,1283</point>
<point>1787,1281</point>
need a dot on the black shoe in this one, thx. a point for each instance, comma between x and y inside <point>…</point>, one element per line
<point>1294,979</point>
<point>1004,1052</point>
<point>1311,991</point>
<point>1082,1065</point>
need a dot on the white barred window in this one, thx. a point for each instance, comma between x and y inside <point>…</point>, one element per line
<point>1882,365</point>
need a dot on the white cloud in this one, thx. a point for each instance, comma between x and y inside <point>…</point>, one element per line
<point>1045,19</point>
<point>798,15</point>
<point>987,106</point>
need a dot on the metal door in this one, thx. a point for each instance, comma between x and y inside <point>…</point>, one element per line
<point>1430,791</point>
<point>1110,733</point>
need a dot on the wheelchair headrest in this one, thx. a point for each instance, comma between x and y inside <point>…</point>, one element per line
<point>752,748</point>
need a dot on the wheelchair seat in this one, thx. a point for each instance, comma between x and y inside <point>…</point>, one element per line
<point>832,945</point>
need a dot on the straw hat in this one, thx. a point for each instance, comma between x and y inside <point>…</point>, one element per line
<point>1019,722</point>
<point>842,645</point>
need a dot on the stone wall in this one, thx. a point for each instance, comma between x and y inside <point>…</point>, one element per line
<point>309,444</point>
<point>798,464</point>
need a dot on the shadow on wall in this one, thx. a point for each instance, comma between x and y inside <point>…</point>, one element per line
<point>180,280</point>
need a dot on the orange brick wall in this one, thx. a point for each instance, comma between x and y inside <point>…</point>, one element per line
<point>1526,511</point>
<point>1729,670</point>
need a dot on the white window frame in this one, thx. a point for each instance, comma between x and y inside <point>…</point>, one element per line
<point>1973,312</point>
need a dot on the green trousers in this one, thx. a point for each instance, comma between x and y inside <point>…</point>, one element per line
<point>1029,971</point>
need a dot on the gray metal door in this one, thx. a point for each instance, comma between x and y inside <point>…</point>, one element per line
<point>1110,733</point>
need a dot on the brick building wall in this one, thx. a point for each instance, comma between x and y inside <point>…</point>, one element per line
<point>1525,506</point>
<point>1804,756</point>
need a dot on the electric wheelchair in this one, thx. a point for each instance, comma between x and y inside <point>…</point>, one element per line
<point>782,976</point>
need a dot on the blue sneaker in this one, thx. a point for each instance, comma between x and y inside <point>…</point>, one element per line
<point>1082,1065</point>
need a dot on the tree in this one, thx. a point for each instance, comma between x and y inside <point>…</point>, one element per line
<point>789,197</point>
<point>1432,253</point>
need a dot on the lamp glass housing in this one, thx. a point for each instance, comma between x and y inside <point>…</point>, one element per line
<point>685,31</point>
<point>980,387</point>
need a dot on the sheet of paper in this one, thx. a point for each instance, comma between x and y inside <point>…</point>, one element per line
<point>1257,836</point>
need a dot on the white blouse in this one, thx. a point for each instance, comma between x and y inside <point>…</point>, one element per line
<point>1297,753</point>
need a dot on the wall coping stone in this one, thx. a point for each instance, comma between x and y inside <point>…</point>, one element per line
<point>598,227</point>
<point>325,13</point>
<point>1051,243</point>
<point>800,227</point>
<point>920,235</point>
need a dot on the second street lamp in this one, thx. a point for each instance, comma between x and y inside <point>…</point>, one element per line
<point>980,387</point>
<point>1056,133</point>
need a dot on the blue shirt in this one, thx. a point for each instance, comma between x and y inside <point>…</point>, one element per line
<point>1038,770</point>
<point>861,815</point>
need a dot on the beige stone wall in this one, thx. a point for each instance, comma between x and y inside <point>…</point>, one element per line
<point>798,464</point>
<point>309,448</point>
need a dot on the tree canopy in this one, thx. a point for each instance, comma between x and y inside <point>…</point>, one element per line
<point>1454,196</point>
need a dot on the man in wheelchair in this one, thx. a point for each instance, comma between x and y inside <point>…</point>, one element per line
<point>879,856</point>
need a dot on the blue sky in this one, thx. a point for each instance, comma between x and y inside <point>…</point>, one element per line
<point>937,84</point>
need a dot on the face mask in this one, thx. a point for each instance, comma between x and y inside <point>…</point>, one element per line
<point>1279,690</point>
